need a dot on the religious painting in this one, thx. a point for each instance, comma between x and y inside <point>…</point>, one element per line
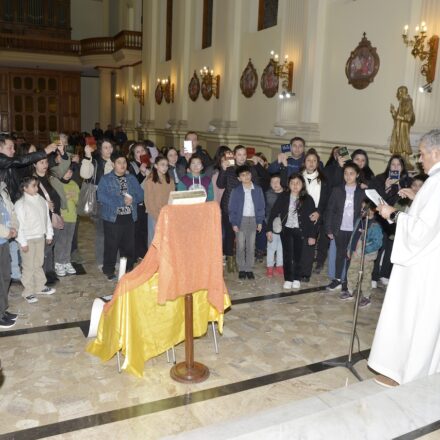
<point>158,93</point>
<point>207,86</point>
<point>249,80</point>
<point>363,65</point>
<point>194,87</point>
<point>169,92</point>
<point>269,80</point>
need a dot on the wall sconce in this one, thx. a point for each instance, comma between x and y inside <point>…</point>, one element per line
<point>119,98</point>
<point>425,50</point>
<point>285,74</point>
<point>164,89</point>
<point>138,93</point>
<point>210,83</point>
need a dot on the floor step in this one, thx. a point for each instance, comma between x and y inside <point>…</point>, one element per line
<point>363,410</point>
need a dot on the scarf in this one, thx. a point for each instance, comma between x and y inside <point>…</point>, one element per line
<point>313,186</point>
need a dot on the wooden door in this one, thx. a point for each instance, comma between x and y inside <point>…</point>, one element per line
<point>35,106</point>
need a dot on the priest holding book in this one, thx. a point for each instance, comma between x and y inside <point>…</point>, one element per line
<point>406,345</point>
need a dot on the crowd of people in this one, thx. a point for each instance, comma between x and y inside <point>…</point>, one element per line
<point>296,212</point>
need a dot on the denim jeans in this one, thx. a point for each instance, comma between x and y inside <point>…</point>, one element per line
<point>332,262</point>
<point>15,260</point>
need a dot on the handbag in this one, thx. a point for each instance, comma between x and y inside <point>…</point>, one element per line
<point>87,202</point>
<point>57,220</point>
<point>277,225</point>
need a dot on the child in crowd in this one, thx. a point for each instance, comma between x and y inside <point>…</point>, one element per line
<point>294,209</point>
<point>157,191</point>
<point>195,179</point>
<point>8,230</point>
<point>343,209</point>
<point>34,231</point>
<point>246,214</point>
<point>63,245</point>
<point>354,254</point>
<point>274,247</point>
<point>118,192</point>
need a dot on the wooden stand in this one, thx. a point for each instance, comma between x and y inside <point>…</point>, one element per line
<point>189,371</point>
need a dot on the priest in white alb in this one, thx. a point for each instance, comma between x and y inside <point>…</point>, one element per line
<point>406,345</point>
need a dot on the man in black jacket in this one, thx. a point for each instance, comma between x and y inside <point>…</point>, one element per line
<point>9,164</point>
<point>228,180</point>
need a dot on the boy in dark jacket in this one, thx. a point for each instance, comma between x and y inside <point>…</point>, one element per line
<point>246,214</point>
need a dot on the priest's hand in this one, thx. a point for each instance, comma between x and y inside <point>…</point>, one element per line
<point>407,193</point>
<point>385,211</point>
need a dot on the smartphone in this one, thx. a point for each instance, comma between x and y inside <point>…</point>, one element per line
<point>145,159</point>
<point>54,137</point>
<point>394,175</point>
<point>187,147</point>
<point>90,141</point>
<point>343,152</point>
<point>250,152</point>
<point>285,148</point>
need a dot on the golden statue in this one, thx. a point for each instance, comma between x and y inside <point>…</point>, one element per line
<point>404,119</point>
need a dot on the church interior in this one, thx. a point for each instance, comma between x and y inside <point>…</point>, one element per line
<point>249,72</point>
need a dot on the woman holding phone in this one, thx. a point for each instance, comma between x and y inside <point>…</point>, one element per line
<point>94,165</point>
<point>388,184</point>
<point>139,166</point>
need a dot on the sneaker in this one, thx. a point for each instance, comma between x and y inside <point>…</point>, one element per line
<point>346,295</point>
<point>60,270</point>
<point>46,290</point>
<point>5,322</point>
<point>384,281</point>
<point>250,275</point>
<point>242,275</point>
<point>287,285</point>
<point>31,299</point>
<point>70,270</point>
<point>334,285</point>
<point>364,302</point>
<point>269,272</point>
<point>11,316</point>
<point>296,284</point>
<point>374,284</point>
<point>279,271</point>
<point>111,277</point>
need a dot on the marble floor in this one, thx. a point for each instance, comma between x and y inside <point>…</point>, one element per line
<point>271,354</point>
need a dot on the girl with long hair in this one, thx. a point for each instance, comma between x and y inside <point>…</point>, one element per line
<point>317,188</point>
<point>294,209</point>
<point>156,192</point>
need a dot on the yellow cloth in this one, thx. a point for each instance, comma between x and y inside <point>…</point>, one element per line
<point>142,328</point>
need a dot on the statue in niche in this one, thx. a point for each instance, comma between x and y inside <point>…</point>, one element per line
<point>404,119</point>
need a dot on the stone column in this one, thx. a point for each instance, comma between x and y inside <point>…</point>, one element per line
<point>106,99</point>
<point>294,115</point>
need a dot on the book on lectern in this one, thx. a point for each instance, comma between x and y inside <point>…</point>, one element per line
<point>190,197</point>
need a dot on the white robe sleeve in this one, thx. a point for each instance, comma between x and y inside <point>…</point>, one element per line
<point>418,232</point>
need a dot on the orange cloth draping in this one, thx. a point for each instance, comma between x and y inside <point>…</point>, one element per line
<point>146,314</point>
<point>187,253</point>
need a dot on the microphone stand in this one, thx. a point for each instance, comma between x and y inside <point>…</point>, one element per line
<point>348,363</point>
